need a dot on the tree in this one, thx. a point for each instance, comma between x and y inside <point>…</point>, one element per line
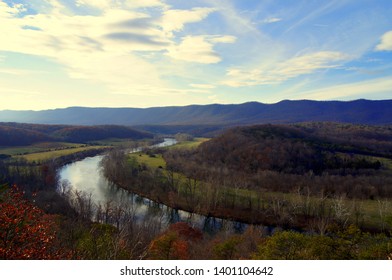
<point>227,249</point>
<point>26,232</point>
<point>174,243</point>
<point>285,245</point>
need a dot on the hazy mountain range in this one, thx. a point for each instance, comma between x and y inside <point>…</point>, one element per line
<point>358,111</point>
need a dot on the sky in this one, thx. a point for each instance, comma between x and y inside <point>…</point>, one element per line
<point>149,53</point>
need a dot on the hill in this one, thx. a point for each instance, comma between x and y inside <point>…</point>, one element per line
<point>297,148</point>
<point>13,136</point>
<point>333,158</point>
<point>294,149</point>
<point>358,111</point>
<point>21,134</point>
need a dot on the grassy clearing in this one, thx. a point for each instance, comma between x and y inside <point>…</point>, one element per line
<point>38,147</point>
<point>58,145</point>
<point>386,162</point>
<point>189,144</point>
<point>20,150</point>
<point>56,153</point>
<point>155,161</point>
<point>115,142</point>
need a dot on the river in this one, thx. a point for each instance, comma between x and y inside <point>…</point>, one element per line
<point>86,176</point>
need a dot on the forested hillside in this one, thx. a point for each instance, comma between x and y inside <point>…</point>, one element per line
<point>335,159</point>
<point>298,148</point>
<point>20,134</point>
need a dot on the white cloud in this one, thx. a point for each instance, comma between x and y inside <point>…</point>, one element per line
<point>101,4</point>
<point>174,20</point>
<point>146,3</point>
<point>275,73</point>
<point>101,48</point>
<point>10,11</point>
<point>386,42</point>
<point>222,39</point>
<point>309,63</point>
<point>105,4</point>
<point>198,49</point>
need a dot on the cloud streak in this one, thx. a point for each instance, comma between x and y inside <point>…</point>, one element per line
<point>272,20</point>
<point>372,87</point>
<point>291,68</point>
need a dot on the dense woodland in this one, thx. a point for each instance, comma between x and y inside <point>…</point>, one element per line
<point>310,182</point>
<point>322,157</point>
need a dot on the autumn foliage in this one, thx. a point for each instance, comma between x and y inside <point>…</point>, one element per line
<point>26,232</point>
<point>174,243</point>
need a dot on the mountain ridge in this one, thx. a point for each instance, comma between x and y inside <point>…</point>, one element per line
<point>359,111</point>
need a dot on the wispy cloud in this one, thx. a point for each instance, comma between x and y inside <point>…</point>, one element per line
<point>369,88</point>
<point>322,9</point>
<point>199,49</point>
<point>104,4</point>
<point>175,20</point>
<point>272,20</point>
<point>282,71</point>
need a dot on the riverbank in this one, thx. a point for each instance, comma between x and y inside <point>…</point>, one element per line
<point>145,175</point>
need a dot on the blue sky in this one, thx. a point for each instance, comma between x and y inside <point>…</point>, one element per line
<point>147,53</point>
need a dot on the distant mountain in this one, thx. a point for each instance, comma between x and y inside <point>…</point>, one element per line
<point>358,111</point>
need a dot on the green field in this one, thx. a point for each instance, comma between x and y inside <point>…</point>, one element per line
<point>38,147</point>
<point>115,142</point>
<point>40,156</point>
<point>155,161</point>
<point>189,144</point>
